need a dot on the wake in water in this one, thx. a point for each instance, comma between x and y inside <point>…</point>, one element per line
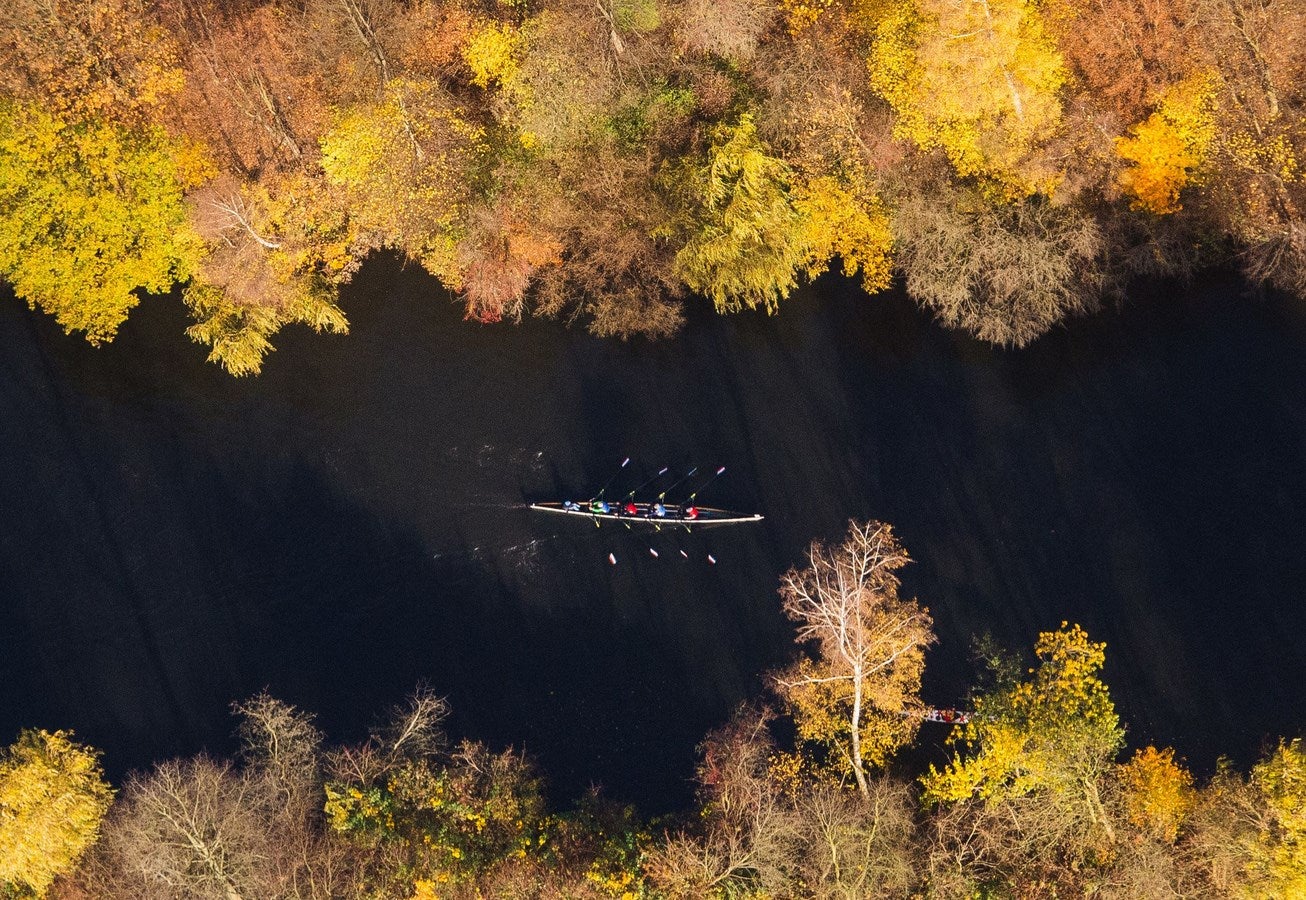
<point>489,456</point>
<point>522,557</point>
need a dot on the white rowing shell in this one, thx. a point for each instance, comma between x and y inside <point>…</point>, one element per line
<point>707,515</point>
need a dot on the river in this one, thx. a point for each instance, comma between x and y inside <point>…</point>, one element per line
<point>351,522</point>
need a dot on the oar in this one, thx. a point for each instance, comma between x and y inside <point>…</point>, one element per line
<point>657,526</point>
<point>623,465</point>
<point>690,498</point>
<point>632,494</point>
<point>689,501</point>
<point>678,482</point>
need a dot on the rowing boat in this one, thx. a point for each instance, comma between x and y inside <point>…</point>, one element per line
<point>707,515</point>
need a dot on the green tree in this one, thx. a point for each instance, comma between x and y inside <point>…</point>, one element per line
<point>747,241</point>
<point>90,214</point>
<point>428,812</point>
<point>52,798</point>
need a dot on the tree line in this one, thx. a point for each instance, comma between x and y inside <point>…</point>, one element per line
<point>1013,162</point>
<point>796,794</point>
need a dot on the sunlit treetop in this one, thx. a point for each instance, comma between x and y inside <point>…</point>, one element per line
<point>1047,732</point>
<point>1168,148</point>
<point>747,241</point>
<point>103,58</point>
<point>52,798</point>
<point>1158,792</point>
<point>978,79</point>
<point>1277,863</point>
<point>91,213</point>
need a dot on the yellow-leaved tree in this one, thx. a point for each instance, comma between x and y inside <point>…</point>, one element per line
<point>1055,732</point>
<point>405,167</point>
<point>52,798</point>
<point>978,79</point>
<point>849,699</point>
<point>278,251</point>
<point>1168,148</point>
<point>839,222</point>
<point>746,243</point>
<point>1028,804</point>
<point>756,225</point>
<point>1276,864</point>
<point>91,213</point>
<point>493,54</point>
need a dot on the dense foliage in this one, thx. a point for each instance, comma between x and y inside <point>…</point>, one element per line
<point>52,798</point>
<point>796,797</point>
<point>1014,160</point>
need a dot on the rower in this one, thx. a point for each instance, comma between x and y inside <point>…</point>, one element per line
<point>659,510</point>
<point>570,505</point>
<point>631,508</point>
<point>599,506</point>
<point>690,512</point>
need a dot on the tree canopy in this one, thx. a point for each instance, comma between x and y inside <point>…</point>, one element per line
<point>1012,162</point>
<point>52,798</point>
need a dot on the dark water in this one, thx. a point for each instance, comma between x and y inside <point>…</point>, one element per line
<point>350,522</point>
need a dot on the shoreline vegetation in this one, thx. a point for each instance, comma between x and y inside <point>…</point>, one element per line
<point>1033,797</point>
<point>1011,162</point>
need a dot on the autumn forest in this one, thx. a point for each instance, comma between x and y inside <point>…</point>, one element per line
<point>1012,162</point>
<point>1009,163</point>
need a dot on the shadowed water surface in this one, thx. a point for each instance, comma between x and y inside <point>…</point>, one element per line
<point>351,522</point>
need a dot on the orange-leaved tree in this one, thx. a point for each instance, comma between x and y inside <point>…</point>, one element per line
<point>1158,792</point>
<point>1167,149</point>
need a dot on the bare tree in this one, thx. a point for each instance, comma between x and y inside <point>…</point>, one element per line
<point>728,28</point>
<point>190,830</point>
<point>281,747</point>
<point>846,846</point>
<point>411,731</point>
<point>223,214</point>
<point>745,822</point>
<point>1034,845</point>
<point>869,643</point>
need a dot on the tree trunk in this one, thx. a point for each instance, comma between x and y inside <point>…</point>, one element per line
<point>859,771</point>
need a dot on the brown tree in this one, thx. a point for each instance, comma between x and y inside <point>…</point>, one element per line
<point>1126,52</point>
<point>1255,187</point>
<point>250,95</point>
<point>282,749</point>
<point>188,829</point>
<point>744,822</point>
<point>1004,272</point>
